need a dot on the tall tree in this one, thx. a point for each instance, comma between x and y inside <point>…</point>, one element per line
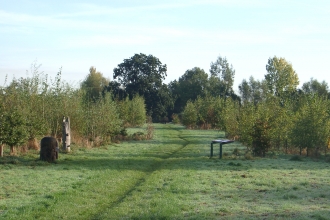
<point>143,75</point>
<point>226,73</point>
<point>316,87</point>
<point>245,91</point>
<point>281,77</point>
<point>94,84</point>
<point>252,90</point>
<point>191,84</point>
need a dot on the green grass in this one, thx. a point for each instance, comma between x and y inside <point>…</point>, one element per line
<point>169,177</point>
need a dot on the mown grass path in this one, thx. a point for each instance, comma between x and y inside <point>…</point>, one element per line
<point>169,177</point>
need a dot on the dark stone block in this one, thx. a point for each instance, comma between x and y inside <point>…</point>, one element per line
<point>49,149</point>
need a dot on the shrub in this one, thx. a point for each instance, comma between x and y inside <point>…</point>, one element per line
<point>236,151</point>
<point>248,156</point>
<point>296,158</point>
<point>189,116</point>
<point>176,119</point>
<point>327,159</point>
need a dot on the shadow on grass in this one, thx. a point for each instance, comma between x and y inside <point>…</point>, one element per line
<point>219,213</point>
<point>151,163</point>
<point>152,160</point>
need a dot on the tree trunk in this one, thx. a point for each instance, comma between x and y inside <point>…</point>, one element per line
<point>286,146</point>
<point>325,150</point>
<point>12,150</point>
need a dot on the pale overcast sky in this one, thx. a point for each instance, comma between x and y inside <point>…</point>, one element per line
<point>183,34</point>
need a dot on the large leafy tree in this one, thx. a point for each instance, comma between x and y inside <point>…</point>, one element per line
<point>191,84</point>
<point>281,77</point>
<point>143,75</point>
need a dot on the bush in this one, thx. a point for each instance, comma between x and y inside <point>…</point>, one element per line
<point>189,116</point>
<point>296,158</point>
<point>176,119</point>
<point>327,159</point>
<point>248,156</point>
<point>236,151</point>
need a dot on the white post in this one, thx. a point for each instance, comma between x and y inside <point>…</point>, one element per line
<point>66,134</point>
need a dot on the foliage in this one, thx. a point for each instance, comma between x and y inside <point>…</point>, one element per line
<point>37,104</point>
<point>209,113</point>
<point>253,90</point>
<point>260,137</point>
<point>281,123</point>
<point>143,75</point>
<point>246,120</point>
<point>296,158</point>
<point>281,76</point>
<point>205,112</point>
<point>132,112</point>
<point>94,84</point>
<point>226,73</point>
<point>311,128</point>
<point>192,84</point>
<point>189,115</point>
<point>176,119</point>
<point>231,116</point>
<point>316,87</point>
<point>12,128</point>
<point>103,119</point>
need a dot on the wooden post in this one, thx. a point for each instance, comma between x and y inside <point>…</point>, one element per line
<point>1,150</point>
<point>66,134</point>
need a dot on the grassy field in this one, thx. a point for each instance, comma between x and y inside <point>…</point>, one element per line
<point>169,177</point>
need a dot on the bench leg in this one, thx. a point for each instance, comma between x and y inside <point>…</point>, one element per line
<point>211,154</point>
<point>220,155</point>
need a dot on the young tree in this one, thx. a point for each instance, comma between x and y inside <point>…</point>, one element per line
<point>189,115</point>
<point>132,112</point>
<point>311,128</point>
<point>12,129</point>
<point>226,73</point>
<point>94,84</point>
<point>316,87</point>
<point>281,77</point>
<point>281,123</point>
<point>261,130</point>
<point>245,91</point>
<point>246,120</point>
<point>231,115</point>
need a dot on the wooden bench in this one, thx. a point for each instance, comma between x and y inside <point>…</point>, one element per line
<point>221,142</point>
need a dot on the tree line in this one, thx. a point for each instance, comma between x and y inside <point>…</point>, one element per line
<point>270,113</point>
<point>33,107</point>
